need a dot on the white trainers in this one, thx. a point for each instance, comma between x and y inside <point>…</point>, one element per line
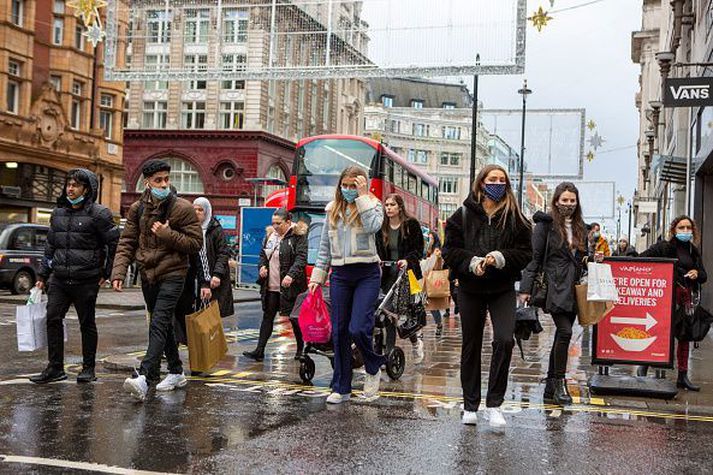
<point>336,398</point>
<point>470,418</point>
<point>494,416</point>
<point>418,353</point>
<point>371,385</point>
<point>138,387</point>
<point>171,382</point>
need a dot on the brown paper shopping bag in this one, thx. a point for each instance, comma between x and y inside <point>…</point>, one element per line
<point>590,313</point>
<point>206,340</point>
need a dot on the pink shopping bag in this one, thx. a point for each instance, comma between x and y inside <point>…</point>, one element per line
<point>314,319</point>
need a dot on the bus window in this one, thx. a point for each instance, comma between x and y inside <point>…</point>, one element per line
<point>389,172</point>
<point>425,190</point>
<point>411,183</point>
<point>398,175</point>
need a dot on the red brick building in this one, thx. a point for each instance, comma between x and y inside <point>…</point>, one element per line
<point>212,163</point>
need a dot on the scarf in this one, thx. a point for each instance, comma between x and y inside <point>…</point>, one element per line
<point>203,253</point>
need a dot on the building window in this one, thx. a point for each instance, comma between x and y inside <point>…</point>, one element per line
<point>418,156</point>
<point>155,113</point>
<point>417,103</point>
<point>77,88</point>
<point>393,126</point>
<point>13,96</point>
<point>448,185</point>
<point>197,24</point>
<point>451,133</point>
<point>232,114</point>
<point>14,68</point>
<point>58,7</point>
<point>58,30</point>
<point>18,11</point>
<point>158,26</point>
<point>452,159</point>
<point>156,62</point>
<point>449,105</point>
<point>420,130</point>
<point>76,109</point>
<point>235,25</point>
<point>193,114</point>
<point>56,82</point>
<point>196,63</point>
<point>184,177</point>
<point>79,36</point>
<point>276,173</point>
<point>446,210</point>
<point>233,63</point>
<point>387,101</point>
<point>106,115</point>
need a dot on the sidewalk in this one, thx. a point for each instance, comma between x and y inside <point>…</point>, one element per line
<point>129,299</point>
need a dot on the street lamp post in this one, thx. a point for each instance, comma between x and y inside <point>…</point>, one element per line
<point>474,127</point>
<point>524,92</point>
<point>629,234</point>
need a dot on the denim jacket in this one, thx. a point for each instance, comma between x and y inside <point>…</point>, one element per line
<point>343,244</point>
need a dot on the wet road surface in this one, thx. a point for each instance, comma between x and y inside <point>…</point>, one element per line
<point>258,418</point>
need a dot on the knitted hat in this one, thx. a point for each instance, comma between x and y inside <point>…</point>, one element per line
<point>154,166</point>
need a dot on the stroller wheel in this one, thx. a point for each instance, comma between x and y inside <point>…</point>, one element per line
<point>307,369</point>
<point>396,363</point>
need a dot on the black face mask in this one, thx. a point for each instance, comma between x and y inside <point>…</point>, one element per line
<point>566,210</point>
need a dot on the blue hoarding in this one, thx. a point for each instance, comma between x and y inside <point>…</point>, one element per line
<point>253,222</point>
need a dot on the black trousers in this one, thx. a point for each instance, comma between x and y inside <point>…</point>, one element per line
<point>60,297</point>
<point>272,307</point>
<point>161,299</point>
<point>560,346</point>
<point>474,309</point>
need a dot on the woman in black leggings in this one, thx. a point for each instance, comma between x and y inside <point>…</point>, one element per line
<point>559,244</point>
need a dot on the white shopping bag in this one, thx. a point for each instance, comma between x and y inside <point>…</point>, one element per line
<point>601,287</point>
<point>31,322</point>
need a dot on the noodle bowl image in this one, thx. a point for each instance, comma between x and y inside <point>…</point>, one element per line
<point>633,339</point>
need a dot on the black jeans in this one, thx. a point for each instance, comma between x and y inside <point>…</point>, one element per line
<point>474,309</point>
<point>84,297</point>
<point>272,307</point>
<point>161,299</point>
<point>560,346</point>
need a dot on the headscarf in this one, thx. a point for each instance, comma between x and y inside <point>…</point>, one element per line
<point>208,212</point>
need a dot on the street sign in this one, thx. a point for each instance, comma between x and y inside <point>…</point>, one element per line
<point>639,328</point>
<point>688,92</point>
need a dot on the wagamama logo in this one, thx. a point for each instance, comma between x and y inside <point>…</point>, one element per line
<point>690,92</point>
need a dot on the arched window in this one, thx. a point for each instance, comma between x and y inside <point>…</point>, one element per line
<point>274,172</point>
<point>184,177</point>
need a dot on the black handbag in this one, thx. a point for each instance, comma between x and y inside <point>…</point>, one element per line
<point>692,322</point>
<point>538,298</point>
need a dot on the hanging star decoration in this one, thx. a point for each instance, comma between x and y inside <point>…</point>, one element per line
<point>540,18</point>
<point>596,141</point>
<point>88,12</point>
<point>590,156</point>
<point>591,125</point>
<point>95,34</point>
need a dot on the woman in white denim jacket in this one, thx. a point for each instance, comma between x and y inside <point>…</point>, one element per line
<point>348,246</point>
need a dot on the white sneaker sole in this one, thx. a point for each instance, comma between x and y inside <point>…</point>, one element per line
<point>182,384</point>
<point>341,401</point>
<point>369,398</point>
<point>134,391</point>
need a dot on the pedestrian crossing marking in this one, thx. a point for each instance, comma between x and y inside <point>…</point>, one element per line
<point>222,372</point>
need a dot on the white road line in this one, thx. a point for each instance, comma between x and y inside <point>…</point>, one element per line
<point>93,467</point>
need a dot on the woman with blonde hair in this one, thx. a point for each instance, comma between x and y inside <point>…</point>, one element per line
<point>348,247</point>
<point>487,245</point>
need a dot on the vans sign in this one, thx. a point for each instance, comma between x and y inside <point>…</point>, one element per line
<point>688,92</point>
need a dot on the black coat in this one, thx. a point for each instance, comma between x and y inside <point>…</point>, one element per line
<point>218,255</point>
<point>628,252</point>
<point>410,246</point>
<point>293,260</point>
<point>81,242</point>
<point>461,245</point>
<point>670,249</point>
<point>562,267</point>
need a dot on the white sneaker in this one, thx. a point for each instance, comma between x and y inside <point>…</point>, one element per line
<point>371,385</point>
<point>171,382</point>
<point>138,387</point>
<point>494,417</point>
<point>336,398</point>
<point>418,353</point>
<point>470,418</point>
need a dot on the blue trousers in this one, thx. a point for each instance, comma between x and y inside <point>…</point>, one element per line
<point>354,290</point>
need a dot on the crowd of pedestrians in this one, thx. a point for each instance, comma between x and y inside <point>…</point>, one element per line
<point>491,250</point>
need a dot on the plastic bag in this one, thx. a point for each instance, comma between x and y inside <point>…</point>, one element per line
<point>314,320</point>
<point>601,287</point>
<point>31,322</point>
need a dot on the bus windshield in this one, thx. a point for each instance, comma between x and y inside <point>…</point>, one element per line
<point>320,162</point>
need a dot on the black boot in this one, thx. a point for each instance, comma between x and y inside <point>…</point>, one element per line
<point>642,370</point>
<point>561,396</point>
<point>87,375</point>
<point>549,394</point>
<point>439,330</point>
<point>256,354</point>
<point>685,383</point>
<point>299,354</point>
<point>49,375</point>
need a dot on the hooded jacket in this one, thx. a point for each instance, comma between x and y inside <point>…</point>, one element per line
<point>480,236</point>
<point>159,255</point>
<point>81,242</point>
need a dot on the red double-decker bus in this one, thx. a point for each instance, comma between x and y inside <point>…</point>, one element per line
<point>320,160</point>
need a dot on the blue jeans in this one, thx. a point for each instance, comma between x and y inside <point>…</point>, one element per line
<point>354,288</point>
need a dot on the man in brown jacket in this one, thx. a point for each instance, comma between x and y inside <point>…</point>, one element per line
<point>161,232</point>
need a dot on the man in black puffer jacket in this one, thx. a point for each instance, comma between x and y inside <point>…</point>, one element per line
<point>78,258</point>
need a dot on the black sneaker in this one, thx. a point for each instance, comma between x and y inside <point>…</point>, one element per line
<point>254,355</point>
<point>439,330</point>
<point>87,375</point>
<point>49,375</point>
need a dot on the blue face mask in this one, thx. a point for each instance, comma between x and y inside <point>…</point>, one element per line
<point>684,237</point>
<point>349,194</point>
<point>160,193</point>
<point>495,191</point>
<point>75,201</point>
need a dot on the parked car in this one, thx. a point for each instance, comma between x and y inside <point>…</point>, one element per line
<point>21,249</point>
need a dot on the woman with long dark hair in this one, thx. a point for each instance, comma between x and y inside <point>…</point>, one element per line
<point>487,245</point>
<point>689,276</point>
<point>559,245</point>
